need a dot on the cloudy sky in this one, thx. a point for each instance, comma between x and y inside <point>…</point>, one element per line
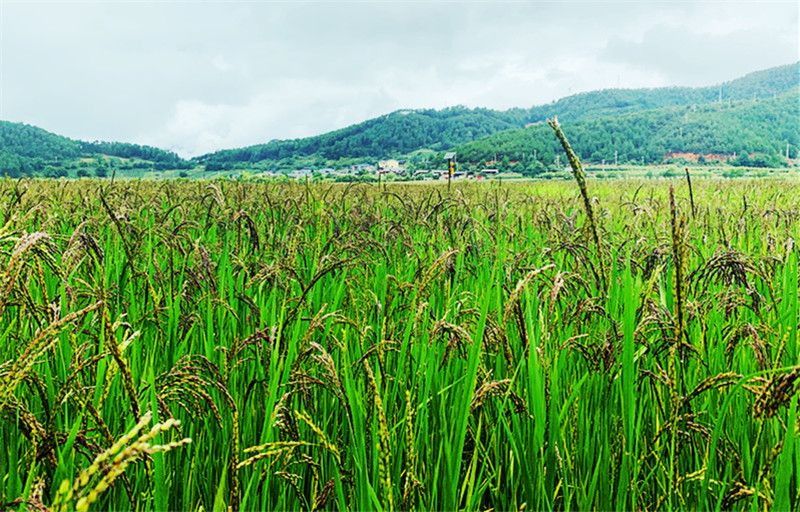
<point>199,76</point>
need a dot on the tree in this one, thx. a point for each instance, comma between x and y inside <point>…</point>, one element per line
<point>55,172</point>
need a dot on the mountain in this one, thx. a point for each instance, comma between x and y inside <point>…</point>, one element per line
<point>397,133</point>
<point>610,102</point>
<point>26,150</point>
<point>756,114</point>
<point>745,128</point>
<point>405,131</point>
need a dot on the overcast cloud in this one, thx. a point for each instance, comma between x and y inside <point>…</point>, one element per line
<point>195,77</point>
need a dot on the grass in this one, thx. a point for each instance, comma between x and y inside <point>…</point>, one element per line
<point>270,346</point>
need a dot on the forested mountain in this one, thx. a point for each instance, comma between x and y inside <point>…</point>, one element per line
<point>756,113</point>
<point>756,131</point>
<point>394,134</point>
<point>405,131</point>
<point>607,102</point>
<point>26,149</point>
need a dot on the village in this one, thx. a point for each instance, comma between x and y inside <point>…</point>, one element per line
<point>389,170</point>
<point>401,170</point>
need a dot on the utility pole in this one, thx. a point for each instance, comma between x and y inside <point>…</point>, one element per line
<point>451,167</point>
<point>787,151</point>
<point>616,158</point>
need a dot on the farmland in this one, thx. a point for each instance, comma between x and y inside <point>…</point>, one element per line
<point>275,346</point>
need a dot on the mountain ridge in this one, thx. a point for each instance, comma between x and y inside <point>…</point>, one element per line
<point>421,125</point>
<point>745,132</point>
<point>27,149</point>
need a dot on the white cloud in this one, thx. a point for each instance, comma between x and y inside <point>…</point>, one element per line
<point>195,126</point>
<point>200,77</point>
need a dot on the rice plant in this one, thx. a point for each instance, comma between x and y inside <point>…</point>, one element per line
<point>214,345</point>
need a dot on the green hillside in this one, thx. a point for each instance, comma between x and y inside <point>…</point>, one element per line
<point>761,128</point>
<point>752,114</point>
<point>28,150</point>
<point>394,134</point>
<point>608,102</point>
<point>402,132</point>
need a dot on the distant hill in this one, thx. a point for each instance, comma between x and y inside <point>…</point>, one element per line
<point>26,149</point>
<point>394,134</point>
<point>402,132</point>
<point>756,131</point>
<point>608,102</point>
<point>756,113</point>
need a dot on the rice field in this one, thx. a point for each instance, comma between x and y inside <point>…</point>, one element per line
<point>188,345</point>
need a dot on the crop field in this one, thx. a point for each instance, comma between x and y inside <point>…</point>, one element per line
<point>187,345</point>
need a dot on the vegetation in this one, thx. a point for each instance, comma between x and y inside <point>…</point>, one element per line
<point>394,134</point>
<point>753,116</point>
<point>27,150</point>
<point>405,131</point>
<point>756,131</point>
<point>178,345</point>
<point>611,102</point>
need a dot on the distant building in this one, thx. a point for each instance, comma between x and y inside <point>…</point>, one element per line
<point>443,175</point>
<point>365,168</point>
<point>393,166</point>
<point>490,172</point>
<point>298,174</point>
<point>695,157</point>
<point>422,174</point>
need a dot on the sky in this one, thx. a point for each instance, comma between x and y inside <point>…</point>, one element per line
<point>195,77</point>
